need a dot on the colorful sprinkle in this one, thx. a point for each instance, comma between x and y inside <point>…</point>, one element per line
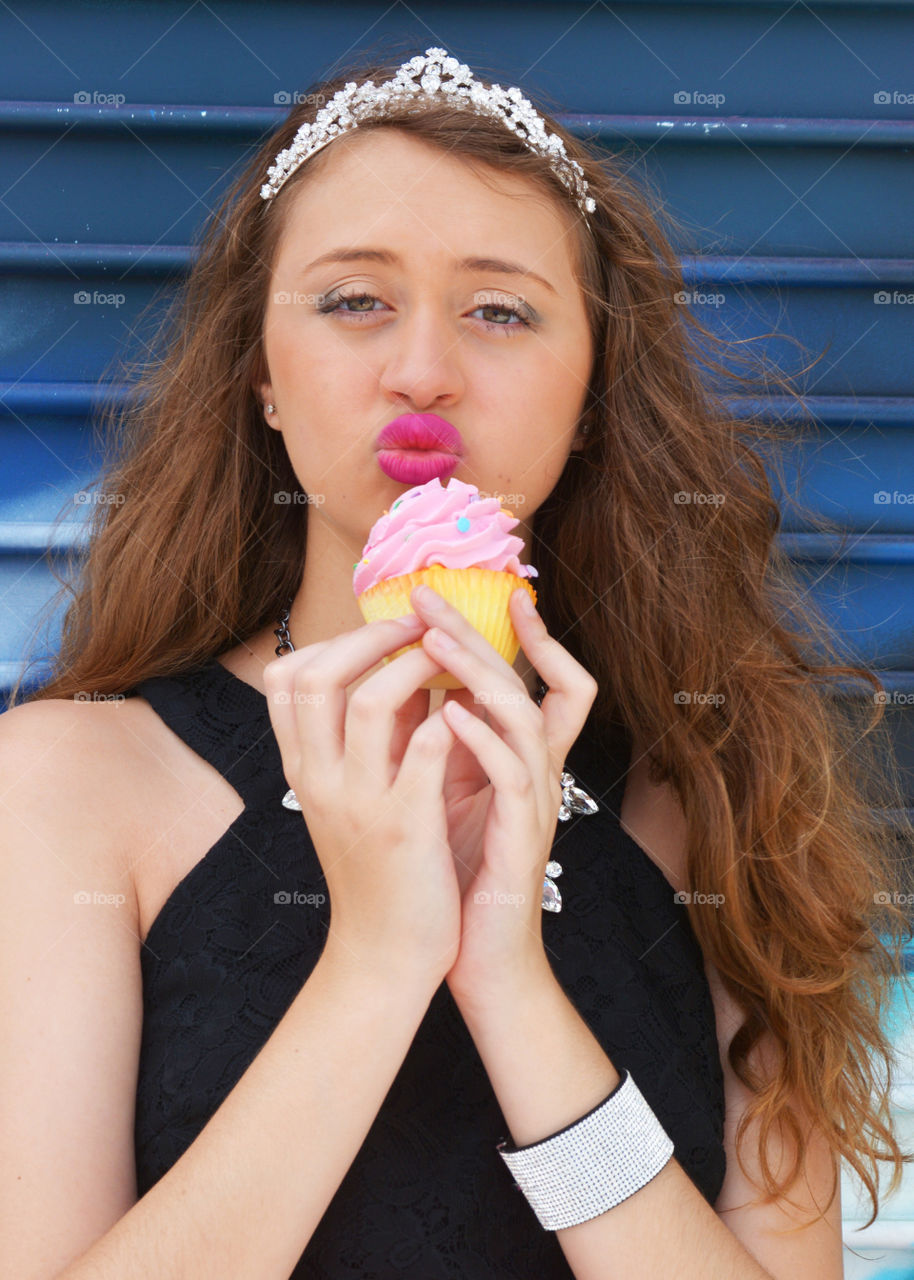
<point>463,524</point>
<point>396,504</point>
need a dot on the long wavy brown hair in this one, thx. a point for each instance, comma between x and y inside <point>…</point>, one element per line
<point>660,571</point>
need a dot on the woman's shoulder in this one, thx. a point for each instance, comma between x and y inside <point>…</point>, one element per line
<point>69,769</point>
<point>79,733</point>
<point>109,781</point>
<point>69,742</point>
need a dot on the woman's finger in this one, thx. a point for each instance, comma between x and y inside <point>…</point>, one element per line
<point>513,716</point>
<point>281,706</point>
<point>439,612</point>
<point>572,689</point>
<point>377,712</point>
<point>407,719</point>
<point>306,689</point>
<point>510,824</point>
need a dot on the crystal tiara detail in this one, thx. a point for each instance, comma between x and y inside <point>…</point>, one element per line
<point>432,73</point>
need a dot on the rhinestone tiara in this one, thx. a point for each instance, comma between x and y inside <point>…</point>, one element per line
<point>435,71</point>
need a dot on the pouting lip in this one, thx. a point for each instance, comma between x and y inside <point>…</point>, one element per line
<point>414,467</point>
<point>420,431</point>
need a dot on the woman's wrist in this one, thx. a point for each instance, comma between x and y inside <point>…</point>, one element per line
<point>504,990</point>
<point>392,975</point>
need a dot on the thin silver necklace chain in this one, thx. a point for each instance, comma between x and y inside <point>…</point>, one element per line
<point>574,800</point>
<point>282,633</point>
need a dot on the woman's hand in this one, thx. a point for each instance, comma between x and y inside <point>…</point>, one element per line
<point>522,750</point>
<point>368,770</point>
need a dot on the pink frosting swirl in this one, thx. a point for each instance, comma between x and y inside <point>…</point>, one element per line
<point>437,524</point>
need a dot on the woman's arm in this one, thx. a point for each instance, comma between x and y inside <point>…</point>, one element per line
<point>548,1070</point>
<point>243,1200</point>
<point>246,1196</point>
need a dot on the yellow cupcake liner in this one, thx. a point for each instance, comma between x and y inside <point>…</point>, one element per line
<point>481,595</point>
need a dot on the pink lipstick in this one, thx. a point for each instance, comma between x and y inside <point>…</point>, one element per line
<point>418,446</point>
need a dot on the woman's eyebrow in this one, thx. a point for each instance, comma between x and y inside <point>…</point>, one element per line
<point>387,258</point>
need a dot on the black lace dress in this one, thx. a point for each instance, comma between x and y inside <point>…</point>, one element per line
<point>427,1197</point>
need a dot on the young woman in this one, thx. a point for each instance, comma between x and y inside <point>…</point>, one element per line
<point>205,1075</point>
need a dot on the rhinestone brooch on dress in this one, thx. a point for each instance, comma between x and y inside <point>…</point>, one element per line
<point>574,800</point>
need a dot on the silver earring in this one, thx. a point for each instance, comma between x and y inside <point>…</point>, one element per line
<point>585,427</point>
<point>271,408</point>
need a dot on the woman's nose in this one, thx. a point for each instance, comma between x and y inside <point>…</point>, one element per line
<point>423,360</point>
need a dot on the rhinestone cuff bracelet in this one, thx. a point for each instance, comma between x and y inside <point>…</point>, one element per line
<point>593,1164</point>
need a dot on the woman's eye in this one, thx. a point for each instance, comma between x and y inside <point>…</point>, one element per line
<point>504,311</point>
<point>334,303</point>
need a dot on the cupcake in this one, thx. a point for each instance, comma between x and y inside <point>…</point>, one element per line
<point>458,543</point>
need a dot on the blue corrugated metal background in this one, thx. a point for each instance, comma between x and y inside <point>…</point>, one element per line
<point>779,134</point>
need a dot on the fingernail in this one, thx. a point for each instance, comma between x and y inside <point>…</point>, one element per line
<point>526,605</point>
<point>442,640</point>
<point>428,598</point>
<point>408,620</point>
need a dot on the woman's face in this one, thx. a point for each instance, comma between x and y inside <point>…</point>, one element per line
<point>418,332</point>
